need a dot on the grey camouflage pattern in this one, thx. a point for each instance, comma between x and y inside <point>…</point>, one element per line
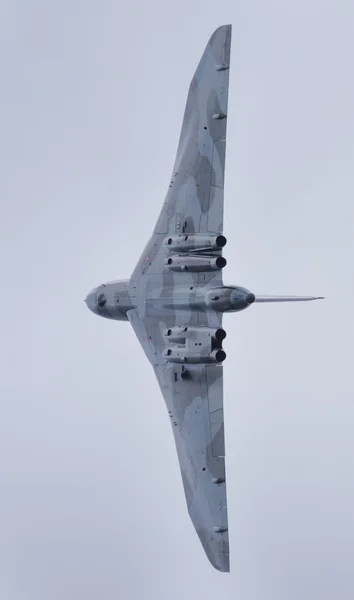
<point>157,299</point>
<point>193,204</point>
<point>175,299</point>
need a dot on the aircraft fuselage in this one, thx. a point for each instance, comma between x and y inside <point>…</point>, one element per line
<point>113,300</point>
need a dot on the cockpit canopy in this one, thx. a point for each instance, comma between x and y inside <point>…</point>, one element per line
<point>111,300</point>
<point>101,299</point>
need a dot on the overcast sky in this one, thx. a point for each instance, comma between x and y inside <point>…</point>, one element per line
<point>91,499</point>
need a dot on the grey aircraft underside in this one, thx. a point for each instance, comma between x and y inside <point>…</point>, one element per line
<point>175,298</point>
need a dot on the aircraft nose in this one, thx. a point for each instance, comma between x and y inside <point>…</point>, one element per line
<point>91,301</point>
<point>250,298</point>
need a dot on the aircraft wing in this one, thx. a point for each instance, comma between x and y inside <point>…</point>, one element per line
<point>194,204</point>
<point>195,408</point>
<point>195,198</point>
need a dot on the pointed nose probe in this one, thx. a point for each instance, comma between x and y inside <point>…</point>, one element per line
<point>287,298</point>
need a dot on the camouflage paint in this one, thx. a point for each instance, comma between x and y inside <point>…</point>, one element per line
<point>156,299</point>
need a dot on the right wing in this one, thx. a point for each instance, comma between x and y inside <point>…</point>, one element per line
<point>194,401</point>
<point>195,199</point>
<point>195,407</point>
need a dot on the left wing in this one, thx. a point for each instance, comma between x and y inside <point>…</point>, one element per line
<point>194,401</point>
<point>194,202</point>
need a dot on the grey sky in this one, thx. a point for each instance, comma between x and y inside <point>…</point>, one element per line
<point>91,499</point>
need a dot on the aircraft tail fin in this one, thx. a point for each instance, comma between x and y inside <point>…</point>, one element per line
<point>287,298</point>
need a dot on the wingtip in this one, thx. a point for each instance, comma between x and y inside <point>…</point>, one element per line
<point>223,565</point>
<point>226,28</point>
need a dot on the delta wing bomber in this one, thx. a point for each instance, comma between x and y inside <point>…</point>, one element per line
<point>175,298</point>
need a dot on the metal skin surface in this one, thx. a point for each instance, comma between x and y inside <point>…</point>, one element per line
<point>189,302</point>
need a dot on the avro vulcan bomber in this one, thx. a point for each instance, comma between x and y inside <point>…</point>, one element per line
<point>175,298</point>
